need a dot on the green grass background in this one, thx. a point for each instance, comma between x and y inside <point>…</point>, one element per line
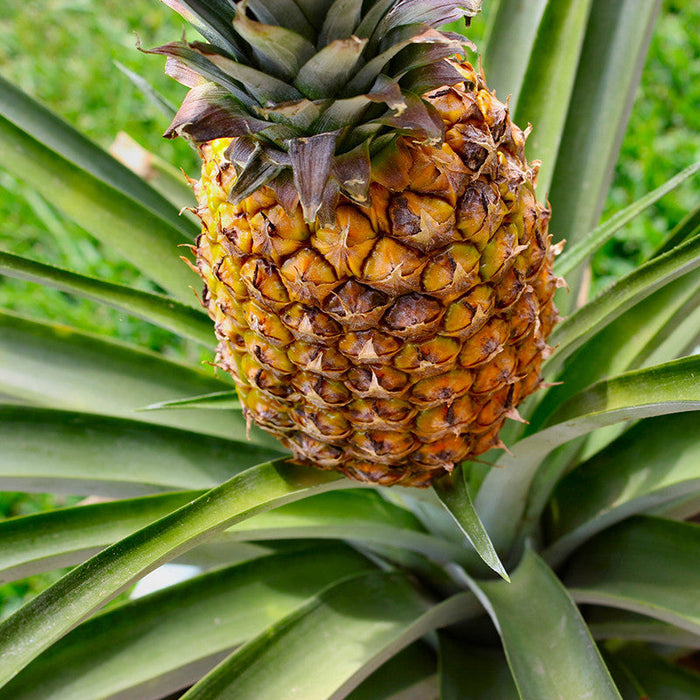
<point>63,52</point>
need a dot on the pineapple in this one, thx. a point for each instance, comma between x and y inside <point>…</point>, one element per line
<point>377,266</point>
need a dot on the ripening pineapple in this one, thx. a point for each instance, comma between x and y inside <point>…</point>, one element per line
<point>376,263</point>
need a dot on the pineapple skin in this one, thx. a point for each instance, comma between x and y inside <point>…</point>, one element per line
<point>395,343</point>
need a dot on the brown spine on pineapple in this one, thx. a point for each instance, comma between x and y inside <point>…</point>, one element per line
<point>393,344</point>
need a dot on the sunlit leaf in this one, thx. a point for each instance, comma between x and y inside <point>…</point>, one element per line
<point>116,219</point>
<point>59,366</point>
<point>183,630</point>
<point>550,80</point>
<point>47,450</point>
<point>576,254</point>
<point>370,618</point>
<point>84,590</point>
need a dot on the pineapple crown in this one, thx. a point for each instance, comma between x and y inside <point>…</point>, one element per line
<point>312,89</point>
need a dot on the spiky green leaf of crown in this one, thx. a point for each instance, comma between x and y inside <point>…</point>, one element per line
<point>313,88</point>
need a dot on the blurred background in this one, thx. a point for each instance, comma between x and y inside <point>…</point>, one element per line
<point>63,52</point>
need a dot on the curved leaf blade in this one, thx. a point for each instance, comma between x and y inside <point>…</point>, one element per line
<point>640,334</point>
<point>679,337</point>
<point>363,614</point>
<point>155,308</point>
<point>52,364</point>
<point>454,494</point>
<point>510,35</point>
<point>370,616</point>
<point>571,333</point>
<point>549,80</point>
<point>667,388</point>
<point>47,450</point>
<point>117,220</point>
<point>88,587</point>
<point>183,630</point>
<point>612,57</point>
<point>658,575</point>
<point>612,623</point>
<point>549,649</point>
<point>577,254</point>
<point>356,516</point>
<point>54,133</point>
<point>66,536</point>
<point>688,227</point>
<point>635,473</point>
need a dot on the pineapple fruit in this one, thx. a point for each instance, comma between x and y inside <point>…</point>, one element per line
<point>376,264</point>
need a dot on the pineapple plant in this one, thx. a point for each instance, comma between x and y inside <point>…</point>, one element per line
<point>564,567</point>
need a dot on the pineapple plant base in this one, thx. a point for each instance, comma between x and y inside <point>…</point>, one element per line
<point>384,316</point>
<point>382,592</point>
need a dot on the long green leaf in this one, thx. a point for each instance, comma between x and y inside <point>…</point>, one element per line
<point>158,309</point>
<point>613,54</point>
<point>549,649</point>
<point>454,494</point>
<point>667,388</point>
<point>637,336</point>
<point>688,227</point>
<point>358,516</point>
<point>577,254</point>
<point>680,337</point>
<point>164,105</point>
<point>53,132</point>
<point>52,364</point>
<point>633,474</point>
<point>549,81</point>
<point>87,588</point>
<point>510,36</point>
<point>571,333</point>
<point>683,508</point>
<point>370,617</point>
<point>117,220</point>
<point>74,453</point>
<point>657,574</point>
<point>68,536</point>
<point>183,631</point>
<point>612,623</point>
<point>216,401</point>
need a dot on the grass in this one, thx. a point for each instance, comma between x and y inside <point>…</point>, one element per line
<point>62,52</point>
<point>663,137</point>
<point>73,73</point>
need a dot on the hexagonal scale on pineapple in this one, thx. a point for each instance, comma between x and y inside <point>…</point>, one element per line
<point>422,221</point>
